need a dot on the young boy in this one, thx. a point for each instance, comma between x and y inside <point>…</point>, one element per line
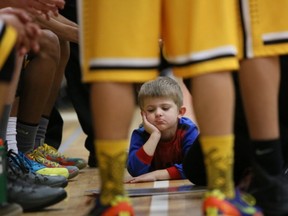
<point>158,146</point>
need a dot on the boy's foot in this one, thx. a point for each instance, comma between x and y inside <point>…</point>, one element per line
<point>40,158</point>
<point>271,192</point>
<point>33,197</point>
<point>216,204</point>
<point>10,209</point>
<point>121,205</point>
<point>52,154</point>
<point>36,167</point>
<point>19,170</point>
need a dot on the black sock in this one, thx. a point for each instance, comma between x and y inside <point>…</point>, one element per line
<point>268,154</point>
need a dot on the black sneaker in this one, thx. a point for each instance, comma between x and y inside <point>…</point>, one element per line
<point>92,161</point>
<point>33,197</point>
<point>10,209</point>
<point>271,192</point>
<point>17,168</point>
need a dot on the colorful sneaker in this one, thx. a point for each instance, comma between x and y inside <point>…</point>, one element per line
<point>40,158</point>
<point>36,167</point>
<point>216,204</point>
<point>17,168</point>
<point>53,155</point>
<point>121,205</point>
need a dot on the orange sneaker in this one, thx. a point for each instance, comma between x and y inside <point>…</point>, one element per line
<point>120,206</point>
<point>216,204</point>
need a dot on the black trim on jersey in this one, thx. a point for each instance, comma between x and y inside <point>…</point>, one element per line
<point>7,71</point>
<point>279,41</point>
<point>244,36</point>
<point>108,67</point>
<point>3,30</point>
<point>191,62</point>
<point>127,67</point>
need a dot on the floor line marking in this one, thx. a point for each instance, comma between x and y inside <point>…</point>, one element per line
<point>159,203</point>
<point>68,142</point>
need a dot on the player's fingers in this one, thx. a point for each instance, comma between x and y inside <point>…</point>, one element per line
<point>57,3</point>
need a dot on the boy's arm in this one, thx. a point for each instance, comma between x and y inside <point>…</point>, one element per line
<point>139,161</point>
<point>151,176</point>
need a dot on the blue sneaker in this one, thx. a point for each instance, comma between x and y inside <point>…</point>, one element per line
<point>36,167</point>
<point>216,204</point>
<point>18,169</point>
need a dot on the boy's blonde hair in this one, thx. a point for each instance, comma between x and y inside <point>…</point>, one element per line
<point>161,87</point>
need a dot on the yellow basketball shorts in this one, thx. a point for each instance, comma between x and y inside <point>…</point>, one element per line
<point>8,37</point>
<point>120,39</point>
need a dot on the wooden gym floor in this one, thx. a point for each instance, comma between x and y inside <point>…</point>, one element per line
<point>78,203</point>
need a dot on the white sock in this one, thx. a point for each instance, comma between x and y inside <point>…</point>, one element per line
<point>11,134</point>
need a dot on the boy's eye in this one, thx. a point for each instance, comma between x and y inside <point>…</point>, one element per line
<point>165,108</point>
<point>150,110</point>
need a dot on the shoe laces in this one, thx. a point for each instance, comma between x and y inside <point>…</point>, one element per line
<point>46,149</point>
<point>15,159</point>
<point>38,156</point>
<point>248,199</point>
<point>31,164</point>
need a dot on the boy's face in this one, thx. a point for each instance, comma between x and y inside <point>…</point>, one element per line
<point>162,112</point>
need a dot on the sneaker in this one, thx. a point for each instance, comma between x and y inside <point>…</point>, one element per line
<point>36,167</point>
<point>40,158</point>
<point>18,169</point>
<point>33,197</point>
<point>10,209</point>
<point>53,155</point>
<point>119,206</point>
<point>216,204</point>
<point>271,192</point>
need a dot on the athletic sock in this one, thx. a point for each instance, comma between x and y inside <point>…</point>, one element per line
<point>25,136</point>
<point>267,154</point>
<point>111,155</point>
<point>219,158</point>
<point>41,132</point>
<point>11,134</point>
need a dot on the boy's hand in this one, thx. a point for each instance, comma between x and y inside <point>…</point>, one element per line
<point>150,128</point>
<point>151,176</point>
<point>147,177</point>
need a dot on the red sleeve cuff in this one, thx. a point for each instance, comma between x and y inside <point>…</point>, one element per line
<point>174,173</point>
<point>143,156</point>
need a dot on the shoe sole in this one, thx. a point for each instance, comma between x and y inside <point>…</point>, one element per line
<point>44,205</point>
<point>61,184</point>
<point>11,210</point>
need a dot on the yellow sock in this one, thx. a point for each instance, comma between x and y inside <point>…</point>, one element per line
<point>219,159</point>
<point>111,156</point>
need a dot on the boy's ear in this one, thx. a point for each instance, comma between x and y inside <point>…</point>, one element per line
<point>182,111</point>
